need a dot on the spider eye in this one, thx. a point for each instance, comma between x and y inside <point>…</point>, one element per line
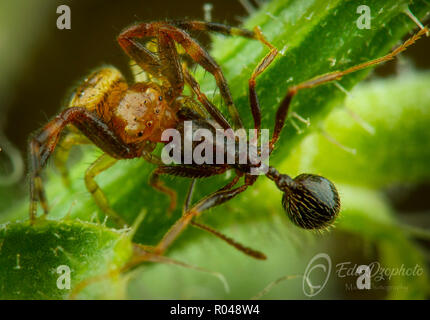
<point>160,98</point>
<point>140,133</point>
<point>149,124</point>
<point>312,202</point>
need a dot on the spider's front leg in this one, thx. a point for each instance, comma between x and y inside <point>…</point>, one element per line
<point>43,145</point>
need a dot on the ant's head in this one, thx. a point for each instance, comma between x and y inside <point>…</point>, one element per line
<point>143,114</point>
<point>310,201</point>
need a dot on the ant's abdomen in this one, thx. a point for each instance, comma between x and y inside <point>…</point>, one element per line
<point>311,202</point>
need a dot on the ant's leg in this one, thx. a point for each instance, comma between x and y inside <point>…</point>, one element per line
<point>102,163</point>
<point>62,153</point>
<point>189,197</point>
<point>253,98</point>
<point>43,145</point>
<point>248,251</point>
<point>183,171</point>
<point>157,184</point>
<point>336,75</point>
<point>210,201</point>
<point>193,49</point>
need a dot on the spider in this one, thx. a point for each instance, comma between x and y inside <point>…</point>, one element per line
<point>128,121</point>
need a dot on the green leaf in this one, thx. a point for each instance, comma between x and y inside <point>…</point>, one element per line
<point>31,258</point>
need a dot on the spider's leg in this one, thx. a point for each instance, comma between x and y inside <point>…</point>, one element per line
<point>43,145</point>
<point>209,106</point>
<point>328,77</point>
<point>102,163</point>
<point>63,151</point>
<point>37,191</point>
<point>170,63</point>
<point>146,59</point>
<point>193,49</point>
<point>217,27</point>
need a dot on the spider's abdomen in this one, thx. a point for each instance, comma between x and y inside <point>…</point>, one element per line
<point>101,91</point>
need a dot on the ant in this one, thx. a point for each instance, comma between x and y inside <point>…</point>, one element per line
<point>128,121</point>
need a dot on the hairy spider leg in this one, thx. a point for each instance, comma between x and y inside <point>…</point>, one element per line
<point>102,163</point>
<point>283,108</point>
<point>43,145</point>
<point>209,106</point>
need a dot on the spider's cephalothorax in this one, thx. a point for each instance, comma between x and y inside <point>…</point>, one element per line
<point>126,121</point>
